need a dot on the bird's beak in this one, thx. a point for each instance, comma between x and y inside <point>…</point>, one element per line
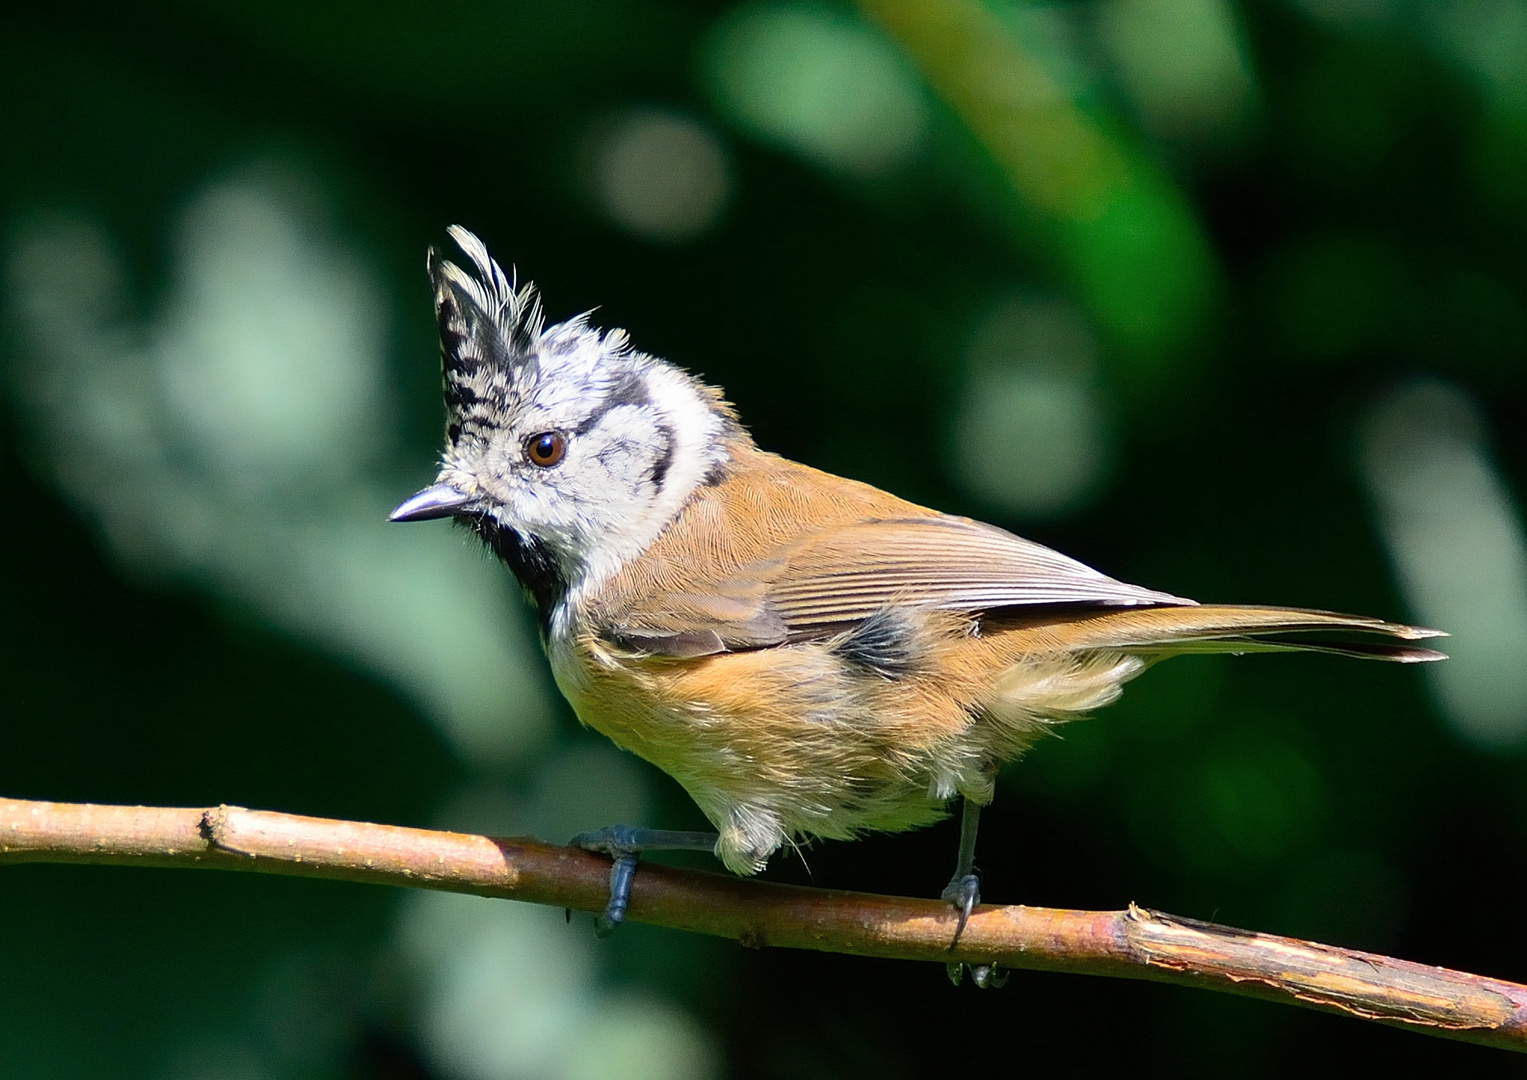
<point>439,501</point>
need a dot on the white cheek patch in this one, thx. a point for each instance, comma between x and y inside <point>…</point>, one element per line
<point>680,415</point>
<point>620,465</point>
<point>624,445</point>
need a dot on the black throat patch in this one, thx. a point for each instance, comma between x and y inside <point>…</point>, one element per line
<point>531,561</point>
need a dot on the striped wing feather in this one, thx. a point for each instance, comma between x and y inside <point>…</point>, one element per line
<point>845,575</point>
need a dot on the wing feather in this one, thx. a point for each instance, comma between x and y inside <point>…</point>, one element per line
<point>833,578</point>
<point>845,575</point>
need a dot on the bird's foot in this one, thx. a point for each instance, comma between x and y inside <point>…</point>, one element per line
<point>625,844</point>
<point>620,843</point>
<point>964,892</point>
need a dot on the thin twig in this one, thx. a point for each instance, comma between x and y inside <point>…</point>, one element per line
<point>1134,944</point>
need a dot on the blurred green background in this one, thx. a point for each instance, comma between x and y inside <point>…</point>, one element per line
<point>1225,299</point>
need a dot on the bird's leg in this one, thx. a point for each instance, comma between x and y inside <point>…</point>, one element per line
<point>625,844</point>
<point>964,889</point>
<point>964,892</point>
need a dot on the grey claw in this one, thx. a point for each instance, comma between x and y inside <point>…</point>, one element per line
<point>622,871</point>
<point>985,976</point>
<point>988,976</point>
<point>964,893</point>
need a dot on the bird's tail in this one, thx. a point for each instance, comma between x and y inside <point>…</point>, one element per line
<point>1156,632</point>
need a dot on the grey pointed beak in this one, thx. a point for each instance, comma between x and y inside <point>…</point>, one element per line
<point>439,501</point>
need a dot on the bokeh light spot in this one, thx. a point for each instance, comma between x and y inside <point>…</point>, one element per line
<point>819,82</point>
<point>1180,60</point>
<point>1486,39</point>
<point>1030,431</point>
<point>271,347</point>
<point>510,993</point>
<point>660,175</point>
<point>1454,534</point>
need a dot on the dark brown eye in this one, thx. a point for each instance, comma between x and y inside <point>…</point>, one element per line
<point>546,449</point>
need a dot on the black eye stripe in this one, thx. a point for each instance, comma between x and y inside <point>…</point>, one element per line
<point>664,460</point>
<point>630,391</point>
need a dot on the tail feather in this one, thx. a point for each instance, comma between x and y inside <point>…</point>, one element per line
<point>1157,632</point>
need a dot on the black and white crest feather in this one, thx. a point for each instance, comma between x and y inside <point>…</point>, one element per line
<point>515,312</point>
<point>488,332</point>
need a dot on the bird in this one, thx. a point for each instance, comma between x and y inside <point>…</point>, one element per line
<point>807,655</point>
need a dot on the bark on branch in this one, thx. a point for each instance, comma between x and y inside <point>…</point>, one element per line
<point>1135,943</point>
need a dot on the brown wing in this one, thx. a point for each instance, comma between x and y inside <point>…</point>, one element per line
<point>847,574</point>
<point>833,578</point>
<point>800,554</point>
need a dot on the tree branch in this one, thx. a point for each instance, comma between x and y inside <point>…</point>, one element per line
<point>1133,944</point>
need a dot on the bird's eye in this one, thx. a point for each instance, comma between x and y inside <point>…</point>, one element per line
<point>546,449</point>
